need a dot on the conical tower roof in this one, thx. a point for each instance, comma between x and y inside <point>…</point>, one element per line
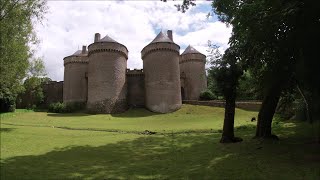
<point>161,37</point>
<point>107,39</point>
<point>191,50</point>
<point>78,52</point>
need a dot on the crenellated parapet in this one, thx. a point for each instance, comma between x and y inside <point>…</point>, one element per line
<point>99,47</point>
<point>75,59</point>
<point>80,56</point>
<point>192,60</point>
<point>159,46</point>
<point>192,55</point>
<point>135,72</point>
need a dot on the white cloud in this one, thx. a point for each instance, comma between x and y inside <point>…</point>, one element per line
<point>69,25</point>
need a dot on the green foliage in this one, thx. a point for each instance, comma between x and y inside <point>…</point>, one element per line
<point>66,108</point>
<point>206,95</point>
<point>16,33</point>
<point>7,100</point>
<point>271,37</point>
<point>33,95</point>
<point>226,71</point>
<point>212,83</point>
<point>34,90</point>
<point>248,88</point>
<point>37,68</point>
<point>288,103</point>
<point>184,6</point>
<point>292,105</point>
<point>57,108</point>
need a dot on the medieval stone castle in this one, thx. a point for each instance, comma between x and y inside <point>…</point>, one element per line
<point>99,78</point>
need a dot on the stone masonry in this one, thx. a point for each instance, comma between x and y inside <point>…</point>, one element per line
<point>99,77</point>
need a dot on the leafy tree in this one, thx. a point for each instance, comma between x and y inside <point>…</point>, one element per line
<point>271,36</point>
<point>16,33</point>
<point>37,68</point>
<point>214,54</point>
<point>276,40</point>
<point>227,71</point>
<point>206,95</point>
<point>33,94</point>
<point>184,6</point>
<point>248,88</point>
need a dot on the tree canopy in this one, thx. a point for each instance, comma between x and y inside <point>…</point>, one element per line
<point>271,38</point>
<point>276,41</point>
<point>17,19</point>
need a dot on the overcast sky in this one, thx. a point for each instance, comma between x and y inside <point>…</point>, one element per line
<point>69,25</point>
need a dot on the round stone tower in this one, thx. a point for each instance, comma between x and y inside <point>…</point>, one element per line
<point>192,66</point>
<point>75,80</point>
<point>162,76</point>
<point>107,88</point>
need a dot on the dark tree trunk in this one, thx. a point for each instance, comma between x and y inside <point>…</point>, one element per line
<point>267,111</point>
<point>228,125</point>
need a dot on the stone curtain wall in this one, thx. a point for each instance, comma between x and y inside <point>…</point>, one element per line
<point>136,92</point>
<point>53,92</point>
<point>246,105</point>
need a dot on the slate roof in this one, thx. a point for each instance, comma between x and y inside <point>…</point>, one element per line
<point>161,37</point>
<point>191,50</point>
<point>107,39</point>
<point>78,52</point>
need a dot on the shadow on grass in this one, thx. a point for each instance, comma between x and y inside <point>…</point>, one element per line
<point>130,113</point>
<point>78,114</point>
<point>169,157</point>
<point>40,110</point>
<point>136,112</point>
<point>6,130</point>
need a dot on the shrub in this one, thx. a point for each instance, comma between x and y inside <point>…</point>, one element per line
<point>66,108</point>
<point>32,107</point>
<point>7,101</point>
<point>57,108</point>
<point>206,95</point>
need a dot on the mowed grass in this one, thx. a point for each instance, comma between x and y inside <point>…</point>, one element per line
<point>38,145</point>
<point>187,118</point>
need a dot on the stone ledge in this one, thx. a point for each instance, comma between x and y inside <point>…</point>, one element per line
<point>246,105</point>
<point>108,50</point>
<point>158,49</point>
<point>192,60</point>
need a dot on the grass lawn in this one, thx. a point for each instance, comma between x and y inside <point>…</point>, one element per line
<point>40,145</point>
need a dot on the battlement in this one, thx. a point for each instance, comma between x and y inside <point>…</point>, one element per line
<point>53,82</point>
<point>192,60</point>
<point>75,59</point>
<point>192,55</point>
<point>135,72</point>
